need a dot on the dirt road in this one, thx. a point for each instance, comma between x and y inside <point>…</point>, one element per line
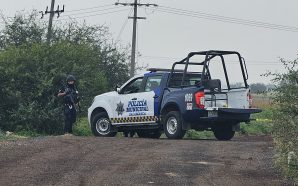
<point>133,161</point>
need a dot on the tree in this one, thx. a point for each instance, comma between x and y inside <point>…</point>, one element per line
<point>32,71</point>
<point>22,29</point>
<point>113,61</point>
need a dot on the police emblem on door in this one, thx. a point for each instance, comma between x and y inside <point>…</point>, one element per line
<point>120,108</point>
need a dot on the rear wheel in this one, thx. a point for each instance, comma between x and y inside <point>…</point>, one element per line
<point>172,125</point>
<point>223,132</point>
<point>101,125</point>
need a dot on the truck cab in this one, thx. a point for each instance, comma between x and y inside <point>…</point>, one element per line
<point>176,100</point>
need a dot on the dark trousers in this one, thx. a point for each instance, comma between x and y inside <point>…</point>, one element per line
<point>70,115</point>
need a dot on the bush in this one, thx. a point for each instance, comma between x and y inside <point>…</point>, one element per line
<point>32,71</point>
<point>285,118</point>
<point>82,128</point>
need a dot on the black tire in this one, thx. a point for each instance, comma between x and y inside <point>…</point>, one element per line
<point>172,125</point>
<point>101,125</point>
<point>223,133</point>
<point>155,134</point>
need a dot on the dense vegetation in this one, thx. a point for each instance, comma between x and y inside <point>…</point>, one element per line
<point>32,71</point>
<point>285,117</point>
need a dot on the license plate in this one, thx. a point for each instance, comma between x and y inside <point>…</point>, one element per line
<point>212,113</point>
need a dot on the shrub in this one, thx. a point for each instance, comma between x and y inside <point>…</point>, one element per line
<point>82,128</point>
<point>32,71</point>
<point>285,118</point>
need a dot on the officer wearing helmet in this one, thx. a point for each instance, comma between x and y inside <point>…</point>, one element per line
<point>70,100</point>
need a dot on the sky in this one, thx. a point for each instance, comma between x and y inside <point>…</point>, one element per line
<point>261,31</point>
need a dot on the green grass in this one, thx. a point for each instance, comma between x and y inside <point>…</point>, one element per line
<point>82,128</point>
<point>261,126</point>
<point>192,134</point>
<point>12,136</point>
<point>4,137</point>
<point>25,133</point>
<point>256,128</point>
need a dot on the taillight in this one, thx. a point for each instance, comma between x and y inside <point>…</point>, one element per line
<point>200,99</point>
<point>249,99</point>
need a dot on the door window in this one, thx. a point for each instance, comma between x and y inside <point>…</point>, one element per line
<point>134,86</point>
<point>152,83</point>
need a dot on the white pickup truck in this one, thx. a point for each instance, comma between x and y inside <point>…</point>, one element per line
<point>176,100</point>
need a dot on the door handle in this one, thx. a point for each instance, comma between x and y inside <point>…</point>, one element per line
<point>134,99</point>
<point>156,96</point>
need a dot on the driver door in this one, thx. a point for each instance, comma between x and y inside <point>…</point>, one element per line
<point>133,105</point>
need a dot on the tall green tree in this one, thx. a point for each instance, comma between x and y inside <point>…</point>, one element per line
<point>32,71</point>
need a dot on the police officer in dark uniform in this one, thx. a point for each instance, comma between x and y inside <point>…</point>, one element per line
<point>70,100</point>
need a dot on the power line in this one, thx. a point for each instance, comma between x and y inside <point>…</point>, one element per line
<point>102,10</point>
<point>232,20</point>
<point>135,17</point>
<point>123,26</point>
<point>92,15</point>
<point>229,18</point>
<point>76,10</point>
<point>203,15</point>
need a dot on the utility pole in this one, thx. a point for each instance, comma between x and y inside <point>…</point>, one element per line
<point>52,12</point>
<point>134,32</point>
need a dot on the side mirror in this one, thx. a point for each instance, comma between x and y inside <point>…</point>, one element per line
<point>117,88</point>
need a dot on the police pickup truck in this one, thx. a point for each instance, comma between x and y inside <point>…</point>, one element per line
<point>178,99</point>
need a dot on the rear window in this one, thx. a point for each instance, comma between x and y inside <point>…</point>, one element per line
<point>190,79</point>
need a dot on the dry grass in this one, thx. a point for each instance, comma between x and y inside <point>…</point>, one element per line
<point>262,101</point>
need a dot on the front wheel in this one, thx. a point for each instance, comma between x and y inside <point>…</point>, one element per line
<point>223,132</point>
<point>101,126</point>
<point>172,125</point>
